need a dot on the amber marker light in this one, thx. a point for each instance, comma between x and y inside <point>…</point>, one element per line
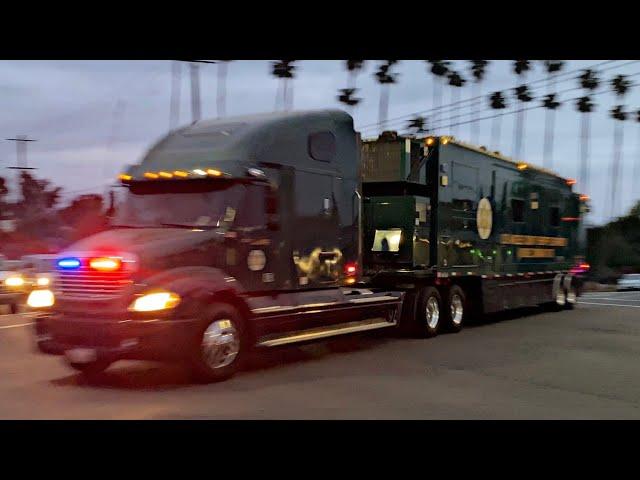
<point>213,172</point>
<point>105,264</point>
<point>151,175</point>
<point>165,174</point>
<point>522,166</point>
<point>180,173</point>
<point>124,177</point>
<point>570,181</point>
<point>430,141</point>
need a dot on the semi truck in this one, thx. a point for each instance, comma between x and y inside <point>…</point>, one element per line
<point>260,231</point>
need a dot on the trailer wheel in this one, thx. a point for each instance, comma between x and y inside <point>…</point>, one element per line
<point>221,344</point>
<point>429,313</point>
<point>571,293</point>
<point>456,310</point>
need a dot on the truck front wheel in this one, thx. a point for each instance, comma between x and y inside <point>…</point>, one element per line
<point>456,309</point>
<point>221,344</point>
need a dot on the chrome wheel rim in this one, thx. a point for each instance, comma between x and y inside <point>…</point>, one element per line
<point>457,309</point>
<point>572,295</point>
<point>560,298</point>
<point>220,344</point>
<point>433,312</point>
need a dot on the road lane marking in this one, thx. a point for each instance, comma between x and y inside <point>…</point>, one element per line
<point>609,304</point>
<point>17,325</point>
<point>615,298</point>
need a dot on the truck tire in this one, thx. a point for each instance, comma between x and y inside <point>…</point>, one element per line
<point>429,314</point>
<point>571,292</point>
<point>456,310</point>
<point>221,345</point>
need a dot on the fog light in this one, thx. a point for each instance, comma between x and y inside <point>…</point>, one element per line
<point>41,299</point>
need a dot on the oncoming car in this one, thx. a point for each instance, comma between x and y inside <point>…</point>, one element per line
<point>630,281</point>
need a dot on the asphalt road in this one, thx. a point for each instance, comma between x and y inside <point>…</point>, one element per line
<point>580,364</point>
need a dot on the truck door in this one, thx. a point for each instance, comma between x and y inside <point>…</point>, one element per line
<point>316,230</point>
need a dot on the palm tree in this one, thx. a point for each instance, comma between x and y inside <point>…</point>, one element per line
<point>620,85</point>
<point>478,69</point>
<point>174,105</point>
<point>589,82</point>
<point>353,67</point>
<point>439,69</point>
<point>346,94</point>
<point>550,104</point>
<point>384,79</point>
<point>221,100</point>
<point>520,68</point>
<point>283,70</point>
<point>456,81</point>
<point>585,106</point>
<point>418,125</point>
<point>497,102</point>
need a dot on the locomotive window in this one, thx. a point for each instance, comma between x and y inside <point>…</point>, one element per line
<point>555,217</point>
<point>517,210</point>
<point>322,146</point>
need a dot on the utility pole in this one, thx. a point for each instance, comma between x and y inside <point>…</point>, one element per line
<point>21,151</point>
<point>174,106</point>
<point>195,92</point>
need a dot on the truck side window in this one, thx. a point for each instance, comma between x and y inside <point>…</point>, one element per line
<point>517,210</point>
<point>322,146</point>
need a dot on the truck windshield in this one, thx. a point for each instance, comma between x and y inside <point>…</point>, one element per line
<point>192,204</point>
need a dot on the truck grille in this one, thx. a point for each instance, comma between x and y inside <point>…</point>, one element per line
<point>85,283</point>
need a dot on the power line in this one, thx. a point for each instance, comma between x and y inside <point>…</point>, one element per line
<point>460,103</point>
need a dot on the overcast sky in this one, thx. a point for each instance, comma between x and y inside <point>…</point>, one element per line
<point>90,118</point>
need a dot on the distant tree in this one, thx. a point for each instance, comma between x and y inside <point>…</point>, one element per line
<point>221,99</point>
<point>520,68</point>
<point>84,216</point>
<point>478,69</point>
<point>346,95</point>
<point>439,69</point>
<point>620,85</point>
<point>417,125</point>
<point>550,103</point>
<point>385,78</point>
<point>589,81</point>
<point>456,81</point>
<point>284,70</point>
<point>496,102</point>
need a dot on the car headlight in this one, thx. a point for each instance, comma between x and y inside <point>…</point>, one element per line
<point>155,301</point>
<point>14,281</point>
<point>41,299</point>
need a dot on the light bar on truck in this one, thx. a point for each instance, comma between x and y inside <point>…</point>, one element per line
<point>105,264</point>
<point>68,263</point>
<point>179,174</point>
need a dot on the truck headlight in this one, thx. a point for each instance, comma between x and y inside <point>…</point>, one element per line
<point>41,299</point>
<point>14,281</point>
<point>152,302</point>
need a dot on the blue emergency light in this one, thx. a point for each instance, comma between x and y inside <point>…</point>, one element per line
<point>68,263</point>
